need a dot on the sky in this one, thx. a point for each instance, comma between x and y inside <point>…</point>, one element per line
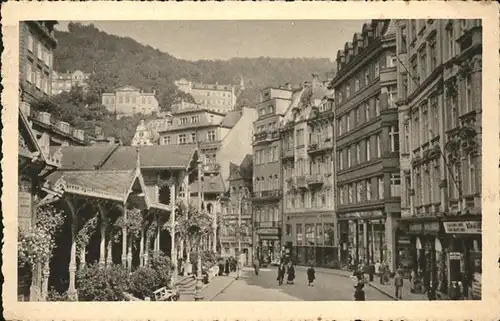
<point>225,39</point>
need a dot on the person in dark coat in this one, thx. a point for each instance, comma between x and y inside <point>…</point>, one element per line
<point>221,267</point>
<point>291,273</point>
<point>311,275</point>
<point>359,293</point>
<point>281,273</point>
<point>226,267</point>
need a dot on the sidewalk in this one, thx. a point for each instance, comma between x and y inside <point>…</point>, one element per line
<point>387,289</point>
<point>217,285</point>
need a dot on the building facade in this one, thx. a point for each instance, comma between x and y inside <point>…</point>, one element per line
<point>267,179</point>
<point>36,47</point>
<point>214,97</point>
<point>367,146</point>
<point>64,82</point>
<point>307,156</point>
<point>440,114</point>
<point>237,213</point>
<point>128,101</point>
<point>147,132</point>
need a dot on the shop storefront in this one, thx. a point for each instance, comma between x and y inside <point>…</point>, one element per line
<point>465,249</point>
<point>269,245</point>
<point>315,244</point>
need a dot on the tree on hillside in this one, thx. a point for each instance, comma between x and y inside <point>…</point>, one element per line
<point>249,97</point>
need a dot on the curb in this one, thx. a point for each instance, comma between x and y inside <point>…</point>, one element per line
<point>223,289</point>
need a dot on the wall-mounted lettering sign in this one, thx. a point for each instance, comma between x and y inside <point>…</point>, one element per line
<point>464,227</point>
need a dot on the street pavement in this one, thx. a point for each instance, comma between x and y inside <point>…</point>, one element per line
<point>264,287</point>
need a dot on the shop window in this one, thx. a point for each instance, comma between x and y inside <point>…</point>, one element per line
<point>310,237</point>
<point>298,234</point>
<point>319,234</point>
<point>329,232</point>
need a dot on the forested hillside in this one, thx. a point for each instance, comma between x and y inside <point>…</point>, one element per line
<point>116,61</point>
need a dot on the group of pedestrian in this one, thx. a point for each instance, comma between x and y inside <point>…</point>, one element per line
<point>227,265</point>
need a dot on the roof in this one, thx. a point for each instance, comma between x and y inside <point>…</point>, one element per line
<point>115,157</point>
<point>156,156</point>
<point>212,87</point>
<point>114,185</point>
<point>231,118</point>
<point>211,184</point>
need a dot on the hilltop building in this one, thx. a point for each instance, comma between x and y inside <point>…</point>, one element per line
<point>307,157</point>
<point>147,132</point>
<point>440,114</point>
<point>128,101</point>
<point>367,146</point>
<point>64,82</point>
<point>214,97</point>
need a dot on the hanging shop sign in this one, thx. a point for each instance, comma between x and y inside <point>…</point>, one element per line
<point>455,256</point>
<point>362,215</point>
<point>464,227</point>
<point>431,227</point>
<point>415,228</point>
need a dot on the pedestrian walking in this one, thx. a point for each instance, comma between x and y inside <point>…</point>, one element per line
<point>221,267</point>
<point>311,275</point>
<point>281,273</point>
<point>359,293</point>
<point>398,284</point>
<point>291,273</point>
<point>371,271</point>
<point>256,265</point>
<point>226,267</point>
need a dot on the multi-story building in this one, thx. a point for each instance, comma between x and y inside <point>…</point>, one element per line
<point>214,97</point>
<point>64,82</point>
<point>222,138</point>
<point>440,115</point>
<point>147,132</point>
<point>128,101</point>
<point>367,146</point>
<point>267,180</point>
<point>36,46</point>
<point>307,154</point>
<point>237,212</point>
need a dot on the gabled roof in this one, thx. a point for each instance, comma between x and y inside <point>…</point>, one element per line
<point>211,184</point>
<point>127,88</point>
<point>231,118</point>
<point>83,157</point>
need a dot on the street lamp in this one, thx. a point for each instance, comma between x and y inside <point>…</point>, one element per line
<point>242,194</point>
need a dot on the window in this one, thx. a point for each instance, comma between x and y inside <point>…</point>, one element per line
<point>413,29</point>
<point>359,192</point>
<point>348,122</point>
<point>468,93</point>
<point>30,43</point>
<point>404,85</point>
<point>211,135</point>
<point>356,84</point>
<point>435,117</point>
<point>194,138</point>
<point>351,193</point>
<point>341,125</point>
<point>377,69</point>
<point>433,53</point>
<point>394,137</point>
<point>425,120</point>
<point>406,129</point>
<point>367,77</point>
<point>166,140</point>
<point>391,61</point>
<point>143,100</point>
<point>368,190</point>
<point>403,40</point>
<point>181,139</point>
<point>377,106</point>
<point>450,41</point>
<point>358,154</point>
<point>392,96</point>
<point>367,111</point>
<point>127,99</point>
<point>29,70</point>
<point>340,97</point>
<point>423,63</point>
<point>348,91</point>
<point>341,160</point>
<point>39,52</point>
<point>407,178</point>
<point>341,195</point>
<point>380,188</point>
<point>357,118</point>
<point>377,142</point>
<point>298,234</point>
<point>38,79</point>
<point>395,185</point>
<point>348,157</point>
<point>195,119</point>
<point>472,175</point>
<point>414,71</point>
<point>183,120</point>
<point>368,150</point>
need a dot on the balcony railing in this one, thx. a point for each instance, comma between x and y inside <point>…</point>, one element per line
<point>59,126</point>
<point>271,194</point>
<point>323,146</point>
<point>315,179</point>
<point>301,182</point>
<point>266,136</point>
<point>288,153</point>
<point>268,224</point>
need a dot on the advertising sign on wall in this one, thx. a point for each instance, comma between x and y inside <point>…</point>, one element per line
<point>464,227</point>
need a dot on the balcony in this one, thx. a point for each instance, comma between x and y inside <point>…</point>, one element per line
<point>265,137</point>
<point>267,195</point>
<point>388,75</point>
<point>319,147</point>
<point>211,168</point>
<point>301,182</point>
<point>44,117</point>
<point>288,153</point>
<point>315,180</point>
<point>268,224</point>
<point>79,134</point>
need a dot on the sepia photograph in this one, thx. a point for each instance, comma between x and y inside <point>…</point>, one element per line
<point>256,160</point>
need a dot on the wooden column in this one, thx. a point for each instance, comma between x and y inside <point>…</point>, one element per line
<point>72,292</point>
<point>109,250</point>
<point>173,247</point>
<point>129,252</point>
<point>157,239</point>
<point>124,239</point>
<point>104,225</point>
<point>141,247</point>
